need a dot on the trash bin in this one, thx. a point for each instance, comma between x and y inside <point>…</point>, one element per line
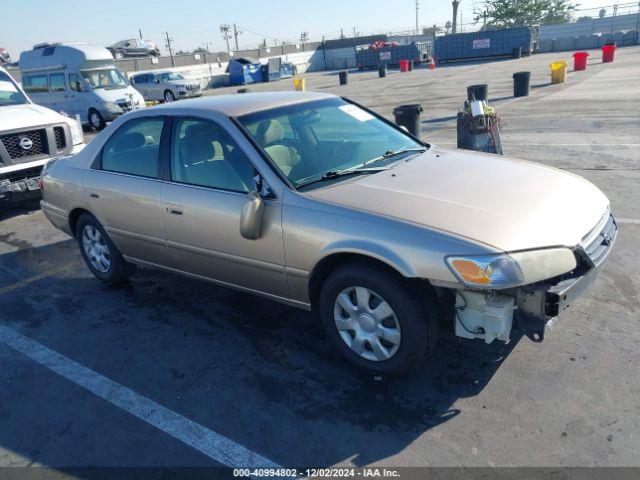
<point>408,116</point>
<point>558,72</point>
<point>580,61</point>
<point>410,65</point>
<point>300,84</point>
<point>517,52</point>
<point>478,92</point>
<point>608,52</point>
<point>404,65</point>
<point>521,84</point>
<point>344,77</point>
<point>382,71</point>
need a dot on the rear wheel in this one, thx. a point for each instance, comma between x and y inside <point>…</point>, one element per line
<point>169,96</point>
<point>96,121</point>
<point>99,253</point>
<point>377,319</point>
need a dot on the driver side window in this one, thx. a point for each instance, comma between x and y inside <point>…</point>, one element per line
<point>205,155</point>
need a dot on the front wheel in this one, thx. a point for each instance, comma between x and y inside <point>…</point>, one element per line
<point>99,253</point>
<point>169,96</point>
<point>377,319</point>
<point>96,121</point>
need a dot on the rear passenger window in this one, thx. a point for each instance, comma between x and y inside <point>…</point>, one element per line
<point>134,148</point>
<point>57,82</point>
<point>35,84</point>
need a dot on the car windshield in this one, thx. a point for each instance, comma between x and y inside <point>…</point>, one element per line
<point>9,93</point>
<point>107,78</point>
<point>165,77</point>
<point>323,139</point>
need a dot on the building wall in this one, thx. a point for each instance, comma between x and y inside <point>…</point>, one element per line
<point>589,27</point>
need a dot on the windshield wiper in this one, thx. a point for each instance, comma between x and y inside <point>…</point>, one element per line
<point>393,153</point>
<point>333,174</point>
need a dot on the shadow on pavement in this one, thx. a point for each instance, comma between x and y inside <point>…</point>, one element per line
<point>255,371</point>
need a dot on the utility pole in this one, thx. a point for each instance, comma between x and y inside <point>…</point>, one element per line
<point>455,4</point>
<point>236,32</point>
<point>140,32</point>
<point>417,8</point>
<point>304,36</point>
<point>613,19</point>
<point>168,45</point>
<point>224,29</point>
<point>341,33</point>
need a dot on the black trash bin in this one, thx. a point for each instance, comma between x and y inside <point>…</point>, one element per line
<point>408,116</point>
<point>382,71</point>
<point>521,84</point>
<point>478,92</point>
<point>517,52</point>
<point>344,77</point>
<point>410,65</point>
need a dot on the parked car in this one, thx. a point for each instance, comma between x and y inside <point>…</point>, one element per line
<point>78,79</point>
<point>312,200</point>
<point>134,47</point>
<point>30,135</point>
<point>5,58</point>
<point>165,86</point>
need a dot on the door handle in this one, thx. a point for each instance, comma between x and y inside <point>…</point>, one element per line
<point>174,209</point>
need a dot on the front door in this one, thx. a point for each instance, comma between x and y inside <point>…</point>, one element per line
<point>124,190</point>
<point>203,198</point>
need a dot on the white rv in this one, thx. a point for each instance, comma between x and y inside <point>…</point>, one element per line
<point>78,79</point>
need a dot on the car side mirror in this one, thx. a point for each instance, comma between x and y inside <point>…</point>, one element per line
<point>157,80</point>
<point>252,216</point>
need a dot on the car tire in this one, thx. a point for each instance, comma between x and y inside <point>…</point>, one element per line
<point>169,96</point>
<point>96,120</point>
<point>99,253</point>
<point>411,327</point>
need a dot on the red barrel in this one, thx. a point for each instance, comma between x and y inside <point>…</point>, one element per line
<point>607,53</point>
<point>404,65</point>
<point>580,61</point>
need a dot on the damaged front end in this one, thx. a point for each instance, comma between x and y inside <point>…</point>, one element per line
<point>20,185</point>
<point>492,314</point>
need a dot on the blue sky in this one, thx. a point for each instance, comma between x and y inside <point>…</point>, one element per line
<point>191,23</point>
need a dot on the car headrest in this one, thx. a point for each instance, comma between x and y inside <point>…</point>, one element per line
<point>269,132</point>
<point>200,129</point>
<point>129,141</point>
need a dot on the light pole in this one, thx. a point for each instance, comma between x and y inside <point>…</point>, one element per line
<point>225,29</point>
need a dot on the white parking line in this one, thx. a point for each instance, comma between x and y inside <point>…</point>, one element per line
<point>212,444</point>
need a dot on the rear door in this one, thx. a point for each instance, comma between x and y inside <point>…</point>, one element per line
<point>205,189</point>
<point>123,189</point>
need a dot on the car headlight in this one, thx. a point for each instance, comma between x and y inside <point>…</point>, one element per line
<point>77,135</point>
<point>112,107</point>
<point>486,271</point>
<point>513,269</point>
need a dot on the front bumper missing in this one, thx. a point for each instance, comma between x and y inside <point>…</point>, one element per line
<point>15,190</point>
<point>539,305</point>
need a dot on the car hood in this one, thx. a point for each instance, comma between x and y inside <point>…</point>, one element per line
<point>28,115</point>
<point>505,203</point>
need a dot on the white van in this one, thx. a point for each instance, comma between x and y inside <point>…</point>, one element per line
<point>30,136</point>
<point>78,79</point>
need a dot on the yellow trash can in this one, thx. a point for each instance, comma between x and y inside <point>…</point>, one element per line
<point>559,72</point>
<point>300,84</point>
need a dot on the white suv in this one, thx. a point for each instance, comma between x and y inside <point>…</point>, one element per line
<point>30,135</point>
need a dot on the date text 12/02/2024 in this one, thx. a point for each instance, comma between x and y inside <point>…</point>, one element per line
<point>317,472</point>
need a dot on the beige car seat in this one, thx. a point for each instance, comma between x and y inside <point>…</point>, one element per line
<point>269,133</point>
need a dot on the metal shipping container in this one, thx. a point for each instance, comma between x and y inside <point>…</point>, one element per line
<point>489,43</point>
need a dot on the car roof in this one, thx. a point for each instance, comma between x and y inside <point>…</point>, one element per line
<point>243,103</point>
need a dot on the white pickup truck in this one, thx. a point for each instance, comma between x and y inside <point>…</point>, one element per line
<point>30,136</point>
